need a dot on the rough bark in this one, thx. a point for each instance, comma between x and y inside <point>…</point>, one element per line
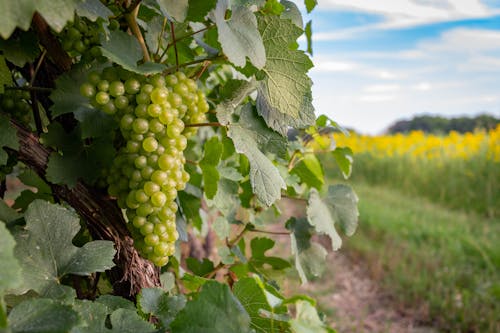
<point>103,217</point>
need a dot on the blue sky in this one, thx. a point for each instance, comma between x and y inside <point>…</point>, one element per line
<point>377,61</point>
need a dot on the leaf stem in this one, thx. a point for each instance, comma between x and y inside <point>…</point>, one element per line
<point>293,198</point>
<point>189,63</point>
<point>213,124</point>
<point>271,232</point>
<point>172,32</point>
<point>132,23</point>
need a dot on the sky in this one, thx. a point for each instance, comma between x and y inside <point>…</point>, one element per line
<point>378,61</point>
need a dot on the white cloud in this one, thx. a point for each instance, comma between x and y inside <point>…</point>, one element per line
<point>382,88</point>
<point>323,65</point>
<point>376,98</point>
<point>422,86</point>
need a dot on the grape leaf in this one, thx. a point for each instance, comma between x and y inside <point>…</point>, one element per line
<point>5,77</point>
<point>259,246</point>
<point>284,95</point>
<point>308,33</point>
<point>344,158</point>
<point>128,321</point>
<point>239,36</point>
<point>310,4</point>
<point>8,138</point>
<point>234,92</point>
<point>156,302</point>
<point>124,49</point>
<point>20,49</point>
<point>309,257</point>
<point>7,214</point>
<point>248,136</point>
<point>225,200</point>
<point>46,253</point>
<point>93,9</point>
<point>307,320</point>
<point>292,13</point>
<point>200,268</point>
<point>212,153</point>
<point>310,171</point>
<point>93,316</point>
<point>205,313</point>
<point>198,9</point>
<point>338,207</point>
<point>177,9</point>
<point>10,274</point>
<point>254,297</point>
<point>42,316</point>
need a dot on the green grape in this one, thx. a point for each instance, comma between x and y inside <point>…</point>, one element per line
<point>148,170</point>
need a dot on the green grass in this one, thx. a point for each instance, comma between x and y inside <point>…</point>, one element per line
<point>432,258</point>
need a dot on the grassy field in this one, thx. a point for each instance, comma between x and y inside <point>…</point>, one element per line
<point>445,263</point>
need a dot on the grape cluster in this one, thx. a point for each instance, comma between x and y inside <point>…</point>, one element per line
<point>81,37</point>
<point>149,168</point>
<point>16,102</point>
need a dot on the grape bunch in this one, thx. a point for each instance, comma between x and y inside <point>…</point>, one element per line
<point>16,102</point>
<point>149,167</point>
<point>81,37</point>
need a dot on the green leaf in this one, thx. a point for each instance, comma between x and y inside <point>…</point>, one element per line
<point>5,77</point>
<point>284,97</point>
<point>198,9</point>
<point>215,310</point>
<point>344,158</point>
<point>239,36</point>
<point>177,9</point>
<point>190,208</point>
<point>309,257</point>
<point>156,302</point>
<point>200,268</point>
<point>233,93</point>
<point>93,9</point>
<point>8,214</point>
<point>42,316</point>
<point>19,14</point>
<point>115,302</point>
<point>310,4</point>
<point>8,138</point>
<point>124,49</point>
<point>93,316</point>
<point>307,319</point>
<point>292,13</point>
<point>46,252</point>
<point>308,33</point>
<point>212,152</point>
<point>310,171</point>
<point>20,49</point>
<point>248,136</point>
<point>10,274</point>
<point>128,321</point>
<point>338,207</point>
<point>254,297</point>
<point>259,246</point>
<point>226,198</point>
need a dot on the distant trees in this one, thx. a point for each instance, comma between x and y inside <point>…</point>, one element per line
<point>440,125</point>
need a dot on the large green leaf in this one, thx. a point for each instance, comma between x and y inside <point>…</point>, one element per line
<point>42,316</point>
<point>307,320</point>
<point>19,13</point>
<point>238,35</point>
<point>93,9</point>
<point>128,321</point>
<point>310,171</point>
<point>338,207</point>
<point>264,309</point>
<point>309,256</point>
<point>10,274</point>
<point>284,97</point>
<point>124,50</point>
<point>8,138</point>
<point>234,92</point>
<point>212,152</point>
<point>164,307</point>
<point>259,247</point>
<point>46,252</point>
<point>248,136</point>
<point>215,310</point>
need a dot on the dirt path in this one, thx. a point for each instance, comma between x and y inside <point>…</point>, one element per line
<point>354,303</point>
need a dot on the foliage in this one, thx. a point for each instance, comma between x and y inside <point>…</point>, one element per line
<point>441,125</point>
<point>162,124</point>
